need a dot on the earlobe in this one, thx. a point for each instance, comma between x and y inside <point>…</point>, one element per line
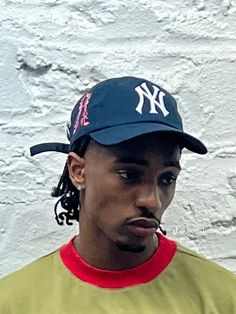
<point>76,170</point>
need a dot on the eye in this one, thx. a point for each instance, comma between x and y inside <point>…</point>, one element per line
<point>128,175</point>
<point>167,179</point>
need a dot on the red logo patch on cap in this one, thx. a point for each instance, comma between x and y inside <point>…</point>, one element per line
<point>82,117</point>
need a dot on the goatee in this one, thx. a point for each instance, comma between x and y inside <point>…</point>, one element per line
<point>132,248</point>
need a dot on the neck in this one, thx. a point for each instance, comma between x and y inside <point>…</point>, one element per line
<point>104,254</point>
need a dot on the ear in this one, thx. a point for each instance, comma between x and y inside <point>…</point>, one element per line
<point>76,169</point>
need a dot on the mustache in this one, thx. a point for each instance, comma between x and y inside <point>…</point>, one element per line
<point>146,213</point>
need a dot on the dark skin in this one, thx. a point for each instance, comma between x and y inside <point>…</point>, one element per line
<point>131,181</point>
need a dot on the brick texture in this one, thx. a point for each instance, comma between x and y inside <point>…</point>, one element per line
<point>51,51</point>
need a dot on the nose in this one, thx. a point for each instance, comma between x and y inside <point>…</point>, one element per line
<point>149,199</point>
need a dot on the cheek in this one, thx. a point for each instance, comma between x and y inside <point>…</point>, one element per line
<point>103,200</point>
<point>168,197</point>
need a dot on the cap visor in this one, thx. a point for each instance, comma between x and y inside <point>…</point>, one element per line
<point>120,133</point>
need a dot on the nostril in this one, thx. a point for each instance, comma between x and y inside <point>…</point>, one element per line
<point>149,205</point>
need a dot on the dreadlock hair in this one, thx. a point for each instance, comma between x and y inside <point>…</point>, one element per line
<point>69,195</point>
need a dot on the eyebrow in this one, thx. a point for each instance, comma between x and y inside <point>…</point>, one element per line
<point>143,162</point>
<point>173,163</point>
<point>132,160</point>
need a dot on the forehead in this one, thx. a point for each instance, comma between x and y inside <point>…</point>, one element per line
<point>149,143</point>
<point>146,146</point>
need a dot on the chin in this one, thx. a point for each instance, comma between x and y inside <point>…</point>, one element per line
<point>132,248</point>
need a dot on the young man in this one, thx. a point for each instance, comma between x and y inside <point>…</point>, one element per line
<point>126,138</point>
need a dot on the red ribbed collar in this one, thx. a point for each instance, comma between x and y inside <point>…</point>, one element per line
<point>119,278</point>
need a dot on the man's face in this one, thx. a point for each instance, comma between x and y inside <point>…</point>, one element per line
<point>127,189</point>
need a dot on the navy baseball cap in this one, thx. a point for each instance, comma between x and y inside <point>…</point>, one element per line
<point>119,109</point>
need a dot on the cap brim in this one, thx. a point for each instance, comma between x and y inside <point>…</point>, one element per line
<point>120,133</point>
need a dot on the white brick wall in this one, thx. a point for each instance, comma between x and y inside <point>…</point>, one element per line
<point>51,51</point>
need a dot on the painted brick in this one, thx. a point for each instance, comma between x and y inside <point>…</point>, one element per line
<point>54,50</point>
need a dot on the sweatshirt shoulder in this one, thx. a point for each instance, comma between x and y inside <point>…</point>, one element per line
<point>26,276</point>
<point>203,266</point>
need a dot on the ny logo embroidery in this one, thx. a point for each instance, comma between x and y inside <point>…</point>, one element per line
<point>156,99</point>
<point>82,117</point>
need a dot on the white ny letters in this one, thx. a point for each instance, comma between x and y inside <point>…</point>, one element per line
<point>156,99</point>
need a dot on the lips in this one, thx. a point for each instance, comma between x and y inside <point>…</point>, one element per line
<point>144,223</point>
<point>143,227</point>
